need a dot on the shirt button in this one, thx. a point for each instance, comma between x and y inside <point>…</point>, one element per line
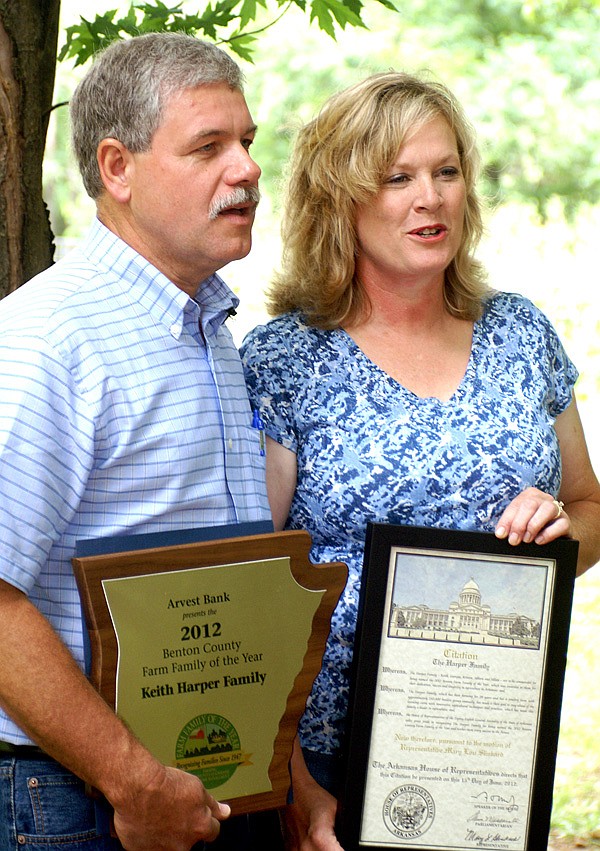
<point>230,443</point>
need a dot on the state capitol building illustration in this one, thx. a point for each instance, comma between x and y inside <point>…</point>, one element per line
<point>468,615</point>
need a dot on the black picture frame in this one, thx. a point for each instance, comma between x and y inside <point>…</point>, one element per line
<point>454,712</point>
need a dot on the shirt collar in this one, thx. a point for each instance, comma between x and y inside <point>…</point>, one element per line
<point>161,297</point>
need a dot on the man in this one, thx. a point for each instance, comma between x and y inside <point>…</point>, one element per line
<point>122,410</point>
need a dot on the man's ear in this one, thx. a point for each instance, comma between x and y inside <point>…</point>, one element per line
<point>115,162</point>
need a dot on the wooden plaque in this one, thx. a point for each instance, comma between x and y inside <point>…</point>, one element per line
<point>208,651</point>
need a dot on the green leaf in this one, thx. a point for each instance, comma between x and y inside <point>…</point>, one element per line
<point>242,45</point>
<point>248,12</point>
<point>326,12</point>
<point>221,15</point>
<point>354,5</point>
<point>86,38</point>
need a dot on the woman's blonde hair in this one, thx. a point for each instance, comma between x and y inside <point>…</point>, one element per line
<point>340,160</point>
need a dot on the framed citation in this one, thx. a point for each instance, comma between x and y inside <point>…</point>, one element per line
<point>459,667</point>
<point>208,651</point>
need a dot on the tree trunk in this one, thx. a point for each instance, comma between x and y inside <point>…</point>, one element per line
<point>28,48</point>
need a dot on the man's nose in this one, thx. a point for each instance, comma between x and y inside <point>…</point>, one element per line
<point>242,168</point>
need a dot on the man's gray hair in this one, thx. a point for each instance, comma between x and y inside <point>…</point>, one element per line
<point>124,93</point>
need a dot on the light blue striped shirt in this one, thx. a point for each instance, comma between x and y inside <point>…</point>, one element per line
<point>117,416</point>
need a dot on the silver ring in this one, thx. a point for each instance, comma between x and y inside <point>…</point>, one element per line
<point>559,507</point>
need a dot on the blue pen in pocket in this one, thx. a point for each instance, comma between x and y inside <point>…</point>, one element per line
<point>259,424</point>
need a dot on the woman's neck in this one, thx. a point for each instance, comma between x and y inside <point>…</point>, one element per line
<point>415,309</point>
<point>414,338</point>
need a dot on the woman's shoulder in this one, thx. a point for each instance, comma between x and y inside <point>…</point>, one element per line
<point>285,323</point>
<point>286,335</point>
<point>513,322</point>
<point>284,360</point>
<point>513,311</point>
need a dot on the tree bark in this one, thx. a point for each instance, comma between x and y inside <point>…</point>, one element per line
<point>28,48</point>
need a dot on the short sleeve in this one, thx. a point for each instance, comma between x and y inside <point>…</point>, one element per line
<point>271,379</point>
<point>46,435</point>
<point>563,371</point>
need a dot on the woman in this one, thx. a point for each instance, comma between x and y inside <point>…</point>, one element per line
<point>395,386</point>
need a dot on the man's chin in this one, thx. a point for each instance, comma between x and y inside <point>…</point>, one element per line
<point>241,252</point>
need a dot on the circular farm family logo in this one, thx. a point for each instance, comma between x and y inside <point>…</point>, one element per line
<point>209,747</point>
<point>408,811</point>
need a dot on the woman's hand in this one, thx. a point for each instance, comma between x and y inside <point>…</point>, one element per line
<point>309,823</point>
<point>533,516</point>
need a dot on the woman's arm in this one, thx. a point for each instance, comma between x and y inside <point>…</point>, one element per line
<point>532,516</point>
<point>308,822</point>
<point>580,489</point>
<point>281,481</point>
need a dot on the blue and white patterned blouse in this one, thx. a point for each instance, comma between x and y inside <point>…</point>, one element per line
<point>369,449</point>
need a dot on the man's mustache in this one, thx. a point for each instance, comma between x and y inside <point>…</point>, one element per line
<point>242,195</point>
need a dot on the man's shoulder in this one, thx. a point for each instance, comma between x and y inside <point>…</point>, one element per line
<point>39,297</point>
<point>46,312</point>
